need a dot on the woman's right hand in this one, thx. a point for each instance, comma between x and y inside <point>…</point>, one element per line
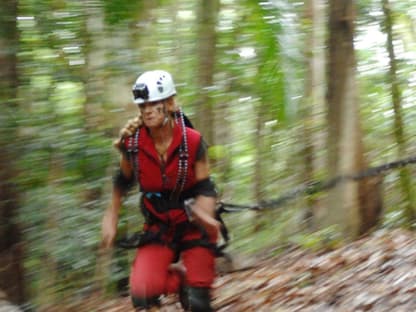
<point>128,130</point>
<point>108,229</point>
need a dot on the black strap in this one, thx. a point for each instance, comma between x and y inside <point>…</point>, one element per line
<point>132,153</point>
<point>224,230</point>
<point>138,239</point>
<point>121,182</point>
<point>218,250</point>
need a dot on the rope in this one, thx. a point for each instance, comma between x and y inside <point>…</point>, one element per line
<point>313,187</point>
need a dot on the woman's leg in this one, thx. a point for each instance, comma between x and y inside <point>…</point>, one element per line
<point>150,276</point>
<point>199,263</point>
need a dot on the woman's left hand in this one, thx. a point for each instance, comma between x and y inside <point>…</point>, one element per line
<point>128,130</point>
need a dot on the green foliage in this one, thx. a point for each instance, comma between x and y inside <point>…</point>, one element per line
<point>217,152</point>
<point>264,24</point>
<point>71,109</point>
<point>272,234</point>
<point>121,11</point>
<point>326,239</point>
<point>393,219</point>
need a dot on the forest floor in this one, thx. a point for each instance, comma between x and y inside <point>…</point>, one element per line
<point>375,273</point>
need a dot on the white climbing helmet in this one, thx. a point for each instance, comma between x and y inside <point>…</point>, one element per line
<point>154,85</point>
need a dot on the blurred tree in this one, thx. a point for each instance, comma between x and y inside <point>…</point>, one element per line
<point>405,173</point>
<point>311,106</point>
<point>267,88</point>
<point>49,270</point>
<point>206,52</point>
<point>94,49</point>
<point>11,247</point>
<point>355,207</point>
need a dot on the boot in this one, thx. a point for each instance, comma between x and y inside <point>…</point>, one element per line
<point>145,303</point>
<point>195,299</point>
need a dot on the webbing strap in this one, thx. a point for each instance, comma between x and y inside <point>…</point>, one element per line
<point>183,158</point>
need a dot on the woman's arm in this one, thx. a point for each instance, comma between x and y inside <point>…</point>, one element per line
<point>110,218</point>
<point>204,206</point>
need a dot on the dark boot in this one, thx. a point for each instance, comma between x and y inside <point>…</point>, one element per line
<point>145,303</point>
<point>183,297</point>
<point>195,299</point>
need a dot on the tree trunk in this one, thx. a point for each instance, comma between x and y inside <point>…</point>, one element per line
<point>93,78</point>
<point>311,108</point>
<point>207,18</point>
<point>405,174</point>
<point>348,202</point>
<point>11,253</point>
<point>48,295</point>
<point>221,162</point>
<point>258,158</point>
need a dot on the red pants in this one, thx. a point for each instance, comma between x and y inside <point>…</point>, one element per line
<point>150,275</point>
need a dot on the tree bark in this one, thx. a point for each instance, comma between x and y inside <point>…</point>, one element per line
<point>349,202</point>
<point>399,134</point>
<point>313,95</point>
<point>11,250</point>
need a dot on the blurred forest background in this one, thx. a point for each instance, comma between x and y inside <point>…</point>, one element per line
<point>286,92</point>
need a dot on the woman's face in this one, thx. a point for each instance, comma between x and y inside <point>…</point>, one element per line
<point>153,113</point>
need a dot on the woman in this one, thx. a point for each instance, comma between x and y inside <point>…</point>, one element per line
<point>169,161</point>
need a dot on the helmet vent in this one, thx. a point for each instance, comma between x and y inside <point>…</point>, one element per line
<point>160,85</point>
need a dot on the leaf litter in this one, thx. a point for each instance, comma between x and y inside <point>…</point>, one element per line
<point>375,273</point>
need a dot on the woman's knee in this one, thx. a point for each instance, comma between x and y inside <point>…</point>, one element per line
<point>200,267</point>
<point>149,272</point>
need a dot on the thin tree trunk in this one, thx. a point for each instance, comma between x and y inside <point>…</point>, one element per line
<point>48,297</point>
<point>94,49</point>
<point>259,160</point>
<point>207,18</point>
<point>11,251</point>
<point>311,105</point>
<point>259,155</point>
<point>343,207</point>
<point>221,163</point>
<point>405,174</point>
<point>93,35</point>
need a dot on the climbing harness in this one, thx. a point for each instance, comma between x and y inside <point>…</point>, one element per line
<point>166,198</point>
